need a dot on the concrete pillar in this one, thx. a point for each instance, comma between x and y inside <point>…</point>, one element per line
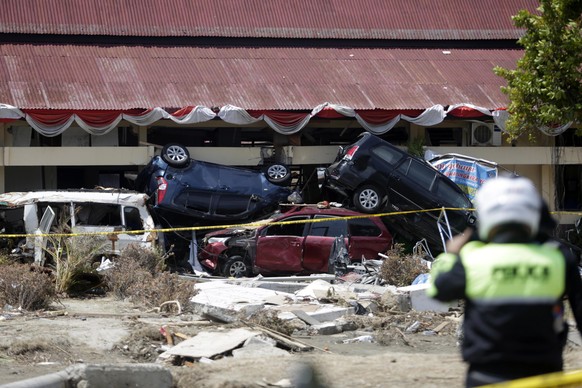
<point>50,177</point>
<point>142,135</point>
<point>416,131</point>
<point>3,129</point>
<point>547,185</point>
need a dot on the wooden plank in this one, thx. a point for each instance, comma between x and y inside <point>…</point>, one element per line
<point>281,338</point>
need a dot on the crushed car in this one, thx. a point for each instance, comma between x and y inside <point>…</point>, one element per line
<point>120,215</point>
<point>297,242</point>
<point>373,176</point>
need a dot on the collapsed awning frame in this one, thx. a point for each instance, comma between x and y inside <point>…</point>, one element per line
<point>51,123</point>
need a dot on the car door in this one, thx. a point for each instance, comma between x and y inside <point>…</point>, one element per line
<point>384,161</point>
<point>366,239</point>
<point>321,234</point>
<point>413,182</point>
<point>238,193</point>
<point>191,190</point>
<point>451,196</point>
<point>279,246</point>
<point>411,186</point>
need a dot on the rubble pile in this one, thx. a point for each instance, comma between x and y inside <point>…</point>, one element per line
<point>278,316</point>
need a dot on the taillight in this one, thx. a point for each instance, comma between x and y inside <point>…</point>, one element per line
<point>162,187</point>
<point>350,152</point>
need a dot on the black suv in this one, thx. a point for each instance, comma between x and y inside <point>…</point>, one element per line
<point>373,176</point>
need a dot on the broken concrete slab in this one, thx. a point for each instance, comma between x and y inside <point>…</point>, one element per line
<point>320,312</point>
<point>209,344</point>
<point>338,326</point>
<point>306,317</point>
<point>259,346</point>
<point>320,289</point>
<point>224,300</point>
<point>281,287</point>
<point>287,284</point>
<point>327,328</point>
<point>420,301</point>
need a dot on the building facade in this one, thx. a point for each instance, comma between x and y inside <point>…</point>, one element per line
<point>89,94</point>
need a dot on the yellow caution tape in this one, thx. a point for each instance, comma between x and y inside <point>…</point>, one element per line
<point>246,225</point>
<point>227,226</point>
<point>550,380</point>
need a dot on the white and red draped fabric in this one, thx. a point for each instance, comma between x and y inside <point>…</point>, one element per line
<point>99,122</point>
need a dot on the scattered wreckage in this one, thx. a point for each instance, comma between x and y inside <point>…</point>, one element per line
<point>301,307</point>
<point>120,216</point>
<point>299,241</point>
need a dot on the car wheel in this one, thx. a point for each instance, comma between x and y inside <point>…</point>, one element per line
<point>236,267</point>
<point>368,199</point>
<point>278,174</point>
<point>176,155</point>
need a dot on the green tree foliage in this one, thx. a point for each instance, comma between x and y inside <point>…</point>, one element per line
<point>545,88</point>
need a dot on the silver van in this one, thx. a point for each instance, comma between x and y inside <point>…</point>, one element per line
<point>121,216</point>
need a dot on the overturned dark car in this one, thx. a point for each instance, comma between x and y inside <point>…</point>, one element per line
<point>297,242</point>
<point>187,190</point>
<point>373,176</point>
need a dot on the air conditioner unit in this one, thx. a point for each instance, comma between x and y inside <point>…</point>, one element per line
<point>483,134</point>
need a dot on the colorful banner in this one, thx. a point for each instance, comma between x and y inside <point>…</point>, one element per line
<point>469,175</point>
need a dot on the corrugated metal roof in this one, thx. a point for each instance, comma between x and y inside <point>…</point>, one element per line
<point>330,19</point>
<point>86,77</point>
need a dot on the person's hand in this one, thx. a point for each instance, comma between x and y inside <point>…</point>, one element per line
<point>455,244</point>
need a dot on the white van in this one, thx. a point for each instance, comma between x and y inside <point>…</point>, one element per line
<point>121,216</point>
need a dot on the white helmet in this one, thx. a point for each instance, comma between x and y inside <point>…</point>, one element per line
<point>506,200</point>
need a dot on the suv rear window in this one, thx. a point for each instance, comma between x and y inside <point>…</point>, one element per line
<point>419,173</point>
<point>387,154</point>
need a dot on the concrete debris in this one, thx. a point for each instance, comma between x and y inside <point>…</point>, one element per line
<point>306,317</point>
<point>362,338</point>
<point>208,344</point>
<point>283,340</point>
<point>420,301</point>
<point>413,328</point>
<point>315,304</point>
<point>224,301</point>
<point>318,306</point>
<point>259,346</point>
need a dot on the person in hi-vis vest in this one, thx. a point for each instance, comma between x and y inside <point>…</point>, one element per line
<point>513,279</point>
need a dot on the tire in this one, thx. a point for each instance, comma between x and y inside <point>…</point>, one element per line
<point>236,267</point>
<point>278,174</point>
<point>176,155</point>
<point>368,199</point>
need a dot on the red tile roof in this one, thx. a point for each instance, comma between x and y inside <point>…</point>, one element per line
<point>86,77</point>
<point>330,19</point>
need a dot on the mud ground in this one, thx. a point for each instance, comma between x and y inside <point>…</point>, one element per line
<point>104,330</point>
